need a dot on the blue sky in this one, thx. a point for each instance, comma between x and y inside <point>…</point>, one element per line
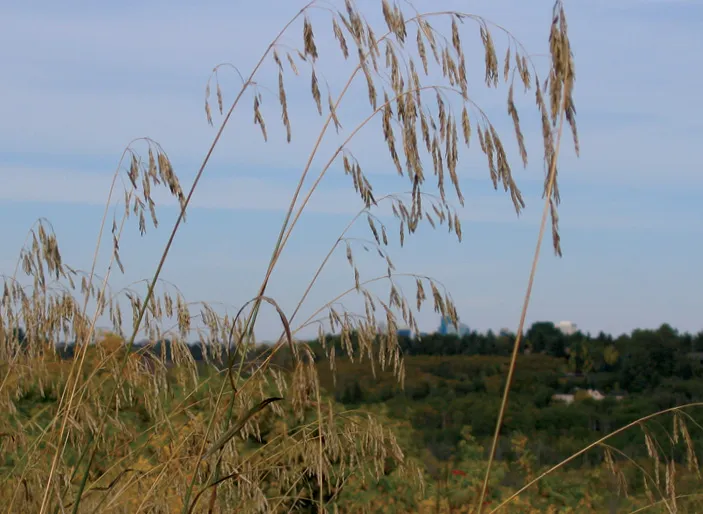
<point>82,79</point>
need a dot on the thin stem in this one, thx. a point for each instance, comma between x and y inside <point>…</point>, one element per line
<point>678,497</point>
<point>229,113</point>
<point>349,138</point>
<point>311,319</point>
<point>526,302</point>
<point>78,364</point>
<point>281,242</point>
<point>645,473</point>
<point>167,249</point>
<point>329,255</point>
<point>591,446</point>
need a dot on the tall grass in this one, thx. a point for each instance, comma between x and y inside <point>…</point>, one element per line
<point>120,430</point>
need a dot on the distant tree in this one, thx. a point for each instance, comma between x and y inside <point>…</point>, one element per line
<point>19,335</point>
<point>352,393</point>
<point>611,355</point>
<point>647,356</point>
<point>544,337</point>
<point>418,391</point>
<point>196,351</point>
<point>698,342</point>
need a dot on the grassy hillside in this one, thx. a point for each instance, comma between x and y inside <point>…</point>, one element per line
<point>441,418</point>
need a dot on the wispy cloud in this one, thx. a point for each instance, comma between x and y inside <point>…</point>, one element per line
<point>235,193</point>
<point>60,186</point>
<point>66,95</point>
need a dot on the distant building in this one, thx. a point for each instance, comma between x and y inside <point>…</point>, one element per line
<point>567,327</point>
<point>401,331</point>
<point>404,332</point>
<point>504,332</point>
<point>566,398</point>
<point>594,394</point>
<point>447,327</point>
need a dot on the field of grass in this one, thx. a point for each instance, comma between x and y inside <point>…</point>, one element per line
<point>421,448</point>
<point>122,422</point>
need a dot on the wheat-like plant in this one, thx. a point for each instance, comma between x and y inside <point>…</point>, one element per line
<point>255,432</point>
<point>659,476</point>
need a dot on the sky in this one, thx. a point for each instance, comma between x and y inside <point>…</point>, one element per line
<point>83,79</point>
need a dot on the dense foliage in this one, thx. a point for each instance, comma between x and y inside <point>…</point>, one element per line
<point>444,415</point>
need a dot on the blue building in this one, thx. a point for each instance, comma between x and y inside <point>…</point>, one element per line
<point>446,327</point>
<point>404,332</point>
<point>401,331</point>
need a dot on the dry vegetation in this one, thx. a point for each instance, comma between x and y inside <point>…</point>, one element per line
<point>79,450</point>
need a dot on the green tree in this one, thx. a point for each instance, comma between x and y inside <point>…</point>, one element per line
<point>543,336</point>
<point>611,355</point>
